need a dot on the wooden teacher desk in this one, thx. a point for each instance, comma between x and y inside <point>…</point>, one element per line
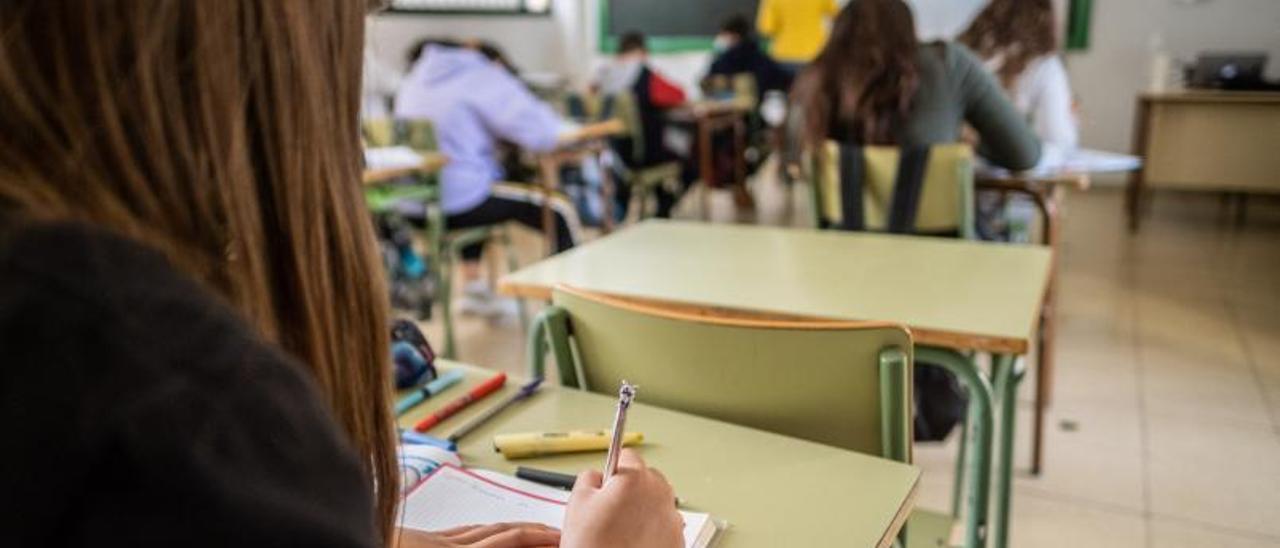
<point>771,490</point>
<point>1208,141</point>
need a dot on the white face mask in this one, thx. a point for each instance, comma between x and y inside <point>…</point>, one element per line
<point>722,43</point>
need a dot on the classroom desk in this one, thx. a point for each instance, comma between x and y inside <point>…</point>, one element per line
<point>587,140</point>
<point>1204,141</point>
<point>962,295</point>
<point>708,117</point>
<point>432,162</point>
<point>951,293</point>
<point>772,490</point>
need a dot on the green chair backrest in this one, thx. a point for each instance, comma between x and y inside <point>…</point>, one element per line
<point>840,383</point>
<point>742,87</point>
<point>946,199</point>
<point>621,106</point>
<point>378,132</point>
<point>418,134</point>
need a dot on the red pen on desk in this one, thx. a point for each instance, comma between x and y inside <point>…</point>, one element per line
<point>484,389</point>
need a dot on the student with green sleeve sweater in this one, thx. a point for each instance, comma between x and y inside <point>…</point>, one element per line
<point>874,84</point>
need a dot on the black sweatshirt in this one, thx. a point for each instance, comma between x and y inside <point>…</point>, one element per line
<point>138,410</point>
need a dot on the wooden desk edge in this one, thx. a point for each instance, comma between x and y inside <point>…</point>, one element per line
<point>1078,181</point>
<point>1210,96</point>
<point>921,336</point>
<point>589,132</point>
<point>904,512</point>
<point>431,163</point>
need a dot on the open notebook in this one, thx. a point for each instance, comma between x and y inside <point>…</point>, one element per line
<point>453,497</point>
<point>391,157</point>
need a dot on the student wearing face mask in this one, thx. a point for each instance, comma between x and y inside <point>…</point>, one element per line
<point>738,51</point>
<point>654,94</point>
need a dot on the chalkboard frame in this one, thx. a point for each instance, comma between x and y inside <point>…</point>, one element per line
<point>657,44</point>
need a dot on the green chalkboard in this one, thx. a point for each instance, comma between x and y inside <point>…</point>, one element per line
<point>670,25</point>
<point>1079,17</point>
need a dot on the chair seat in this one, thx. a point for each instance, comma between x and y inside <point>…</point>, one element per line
<point>655,175</point>
<point>929,529</point>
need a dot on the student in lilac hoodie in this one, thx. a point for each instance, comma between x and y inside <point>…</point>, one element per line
<point>474,102</point>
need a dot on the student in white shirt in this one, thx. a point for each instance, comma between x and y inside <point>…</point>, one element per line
<point>1018,41</point>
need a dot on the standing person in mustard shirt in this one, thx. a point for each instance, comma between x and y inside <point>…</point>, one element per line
<point>798,28</point>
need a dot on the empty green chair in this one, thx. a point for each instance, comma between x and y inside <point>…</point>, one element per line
<point>846,384</point>
<point>378,132</point>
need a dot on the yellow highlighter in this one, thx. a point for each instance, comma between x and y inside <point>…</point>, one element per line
<point>533,444</point>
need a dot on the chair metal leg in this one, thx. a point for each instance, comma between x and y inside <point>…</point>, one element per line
<point>444,275</point>
<point>980,419</point>
<point>1004,370</point>
<point>513,264</point>
<point>957,484</point>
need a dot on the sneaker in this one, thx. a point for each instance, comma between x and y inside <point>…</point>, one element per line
<point>473,305</point>
<point>479,289</point>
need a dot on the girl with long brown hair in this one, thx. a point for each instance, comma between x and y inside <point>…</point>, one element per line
<point>874,84</point>
<point>193,322</point>
<point>1018,41</point>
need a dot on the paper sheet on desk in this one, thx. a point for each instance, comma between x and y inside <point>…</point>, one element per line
<point>567,127</point>
<point>391,158</point>
<point>453,497</point>
<point>1079,161</point>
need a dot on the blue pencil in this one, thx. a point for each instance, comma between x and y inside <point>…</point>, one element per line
<point>447,379</point>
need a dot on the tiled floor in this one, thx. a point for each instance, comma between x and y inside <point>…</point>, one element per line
<point>1165,425</point>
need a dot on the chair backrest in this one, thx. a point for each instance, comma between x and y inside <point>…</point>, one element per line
<point>845,384</point>
<point>740,87</point>
<point>620,106</point>
<point>417,133</point>
<point>945,199</point>
<point>378,132</point>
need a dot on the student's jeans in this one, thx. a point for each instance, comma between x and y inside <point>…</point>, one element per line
<point>522,204</point>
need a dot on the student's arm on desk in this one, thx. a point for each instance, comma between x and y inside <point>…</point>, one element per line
<point>513,113</point>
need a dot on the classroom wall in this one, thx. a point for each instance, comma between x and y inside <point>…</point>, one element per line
<point>535,43</point>
<point>1106,77</point>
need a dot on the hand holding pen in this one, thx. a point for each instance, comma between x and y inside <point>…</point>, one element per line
<point>635,504</point>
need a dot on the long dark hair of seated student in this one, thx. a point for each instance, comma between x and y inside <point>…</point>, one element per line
<point>873,84</point>
<point>860,87</point>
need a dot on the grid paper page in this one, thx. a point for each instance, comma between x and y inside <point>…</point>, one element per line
<point>452,497</point>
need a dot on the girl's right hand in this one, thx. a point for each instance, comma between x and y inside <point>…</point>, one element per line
<point>636,508</point>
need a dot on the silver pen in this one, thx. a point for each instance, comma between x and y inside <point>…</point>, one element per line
<point>625,394</point>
